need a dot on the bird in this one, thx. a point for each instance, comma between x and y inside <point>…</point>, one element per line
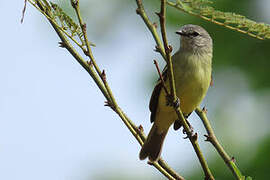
<point>192,67</point>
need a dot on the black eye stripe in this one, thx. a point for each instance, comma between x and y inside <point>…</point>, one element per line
<point>193,34</point>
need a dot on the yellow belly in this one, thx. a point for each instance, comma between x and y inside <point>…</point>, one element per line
<point>191,86</point>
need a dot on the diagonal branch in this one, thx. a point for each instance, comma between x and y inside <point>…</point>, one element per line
<point>214,141</point>
<point>161,78</point>
<point>75,5</point>
<point>152,28</point>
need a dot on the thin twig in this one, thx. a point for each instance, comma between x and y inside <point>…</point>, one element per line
<point>75,5</point>
<point>152,27</point>
<point>161,78</point>
<point>23,11</point>
<point>214,141</point>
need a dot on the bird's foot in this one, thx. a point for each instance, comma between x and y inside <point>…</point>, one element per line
<point>191,130</point>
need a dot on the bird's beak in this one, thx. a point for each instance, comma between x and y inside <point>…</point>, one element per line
<point>180,32</point>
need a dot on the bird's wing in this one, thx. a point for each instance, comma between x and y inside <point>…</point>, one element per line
<point>155,95</point>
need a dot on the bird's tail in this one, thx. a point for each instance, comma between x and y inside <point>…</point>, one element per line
<point>153,144</point>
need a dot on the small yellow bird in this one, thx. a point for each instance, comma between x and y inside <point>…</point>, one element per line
<point>192,66</point>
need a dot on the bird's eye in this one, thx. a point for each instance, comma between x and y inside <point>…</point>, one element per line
<point>194,34</point>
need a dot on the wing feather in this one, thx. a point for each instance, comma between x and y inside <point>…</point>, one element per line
<point>155,96</point>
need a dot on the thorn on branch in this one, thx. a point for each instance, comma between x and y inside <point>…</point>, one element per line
<point>195,136</point>
<point>62,44</point>
<point>233,159</point>
<point>208,138</point>
<point>204,110</point>
<point>157,48</point>
<point>155,25</point>
<point>90,63</point>
<point>138,11</point>
<point>54,6</point>
<point>109,104</point>
<point>74,3</point>
<point>86,52</point>
<point>84,28</point>
<point>103,76</point>
<point>140,128</point>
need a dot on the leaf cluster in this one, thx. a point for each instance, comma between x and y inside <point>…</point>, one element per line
<point>66,22</point>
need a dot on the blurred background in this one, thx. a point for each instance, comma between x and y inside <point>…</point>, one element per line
<point>53,124</point>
